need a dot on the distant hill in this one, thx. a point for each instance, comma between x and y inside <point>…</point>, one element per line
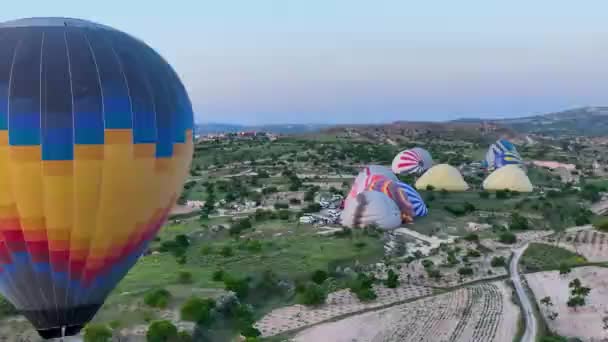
<point>585,121</point>
<point>210,128</point>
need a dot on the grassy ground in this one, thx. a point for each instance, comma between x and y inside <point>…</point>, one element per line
<point>543,257</point>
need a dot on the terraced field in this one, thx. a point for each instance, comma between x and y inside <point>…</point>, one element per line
<point>479,313</point>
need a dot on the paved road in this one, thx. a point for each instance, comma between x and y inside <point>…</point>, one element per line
<point>531,325</point>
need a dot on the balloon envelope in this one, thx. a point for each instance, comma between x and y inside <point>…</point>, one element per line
<point>371,208</point>
<point>95,143</point>
<point>364,177</point>
<point>413,161</point>
<point>416,200</point>
<point>502,153</point>
<point>394,192</point>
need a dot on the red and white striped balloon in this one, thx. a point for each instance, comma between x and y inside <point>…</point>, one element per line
<point>413,161</point>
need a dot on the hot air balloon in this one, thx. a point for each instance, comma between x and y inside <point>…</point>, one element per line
<point>394,192</point>
<point>371,208</point>
<point>416,200</point>
<point>502,153</point>
<point>362,180</point>
<point>95,143</point>
<point>414,161</point>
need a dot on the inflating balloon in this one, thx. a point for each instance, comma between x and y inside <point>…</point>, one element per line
<point>364,177</point>
<point>394,192</point>
<point>414,161</point>
<point>502,153</point>
<point>95,143</point>
<point>371,208</point>
<point>416,200</point>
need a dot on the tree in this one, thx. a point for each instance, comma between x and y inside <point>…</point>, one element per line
<point>465,271</point>
<point>507,238</point>
<point>501,194</point>
<point>471,237</point>
<point>484,194</point>
<point>240,286</point>
<point>578,293</point>
<point>319,276</point>
<point>392,280</point>
<point>518,222</point>
<point>546,301</point>
<point>158,298</point>
<point>473,253</point>
<point>498,261</point>
<point>218,275</point>
<point>97,333</point>
<point>564,268</point>
<point>197,310</point>
<point>184,277</point>
<point>161,331</point>
<point>312,294</point>
<point>430,188</point>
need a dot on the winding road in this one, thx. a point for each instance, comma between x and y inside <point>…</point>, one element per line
<point>531,324</point>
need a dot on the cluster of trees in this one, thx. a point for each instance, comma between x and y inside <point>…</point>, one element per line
<point>361,286</point>
<point>178,247</point>
<point>518,222</point>
<point>460,209</point>
<point>578,293</point>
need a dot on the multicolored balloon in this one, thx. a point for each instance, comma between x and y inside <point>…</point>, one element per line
<point>416,200</point>
<point>95,143</point>
<point>502,153</point>
<point>371,208</point>
<point>391,189</point>
<point>413,161</point>
<point>362,180</point>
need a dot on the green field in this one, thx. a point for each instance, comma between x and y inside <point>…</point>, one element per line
<point>543,257</point>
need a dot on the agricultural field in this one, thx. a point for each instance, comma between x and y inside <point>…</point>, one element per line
<point>588,321</point>
<point>542,257</point>
<point>591,244</point>
<point>479,313</point>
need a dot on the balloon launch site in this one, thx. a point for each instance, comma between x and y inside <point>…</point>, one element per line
<point>124,218</point>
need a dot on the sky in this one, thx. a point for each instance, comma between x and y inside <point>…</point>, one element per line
<point>356,61</point>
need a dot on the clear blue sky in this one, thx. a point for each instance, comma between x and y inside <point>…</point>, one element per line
<point>259,61</point>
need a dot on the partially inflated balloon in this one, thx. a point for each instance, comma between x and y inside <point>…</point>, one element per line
<point>363,179</point>
<point>394,192</point>
<point>95,143</point>
<point>502,153</point>
<point>416,200</point>
<point>371,208</point>
<point>413,161</point>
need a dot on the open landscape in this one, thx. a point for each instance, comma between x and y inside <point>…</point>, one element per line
<point>255,241</point>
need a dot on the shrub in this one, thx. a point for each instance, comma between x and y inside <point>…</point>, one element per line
<point>433,273</point>
<point>184,336</point>
<point>484,194</point>
<point>197,310</point>
<point>465,271</point>
<point>218,275</point>
<point>318,276</point>
<point>430,188</point>
<point>182,240</point>
<point>502,194</point>
<point>507,238</point>
<point>427,263</point>
<point>472,237</point>
<point>240,286</point>
<point>161,331</point>
<point>360,244</point>
<point>498,261</point>
<point>206,250</point>
<point>518,222</point>
<point>7,308</point>
<point>158,298</point>
<point>601,225</point>
<point>362,287</point>
<point>226,252</point>
<point>392,280</point>
<point>97,333</point>
<point>115,324</point>
<point>294,201</point>
<point>281,205</point>
<point>473,253</point>
<point>456,210</point>
<point>284,215</point>
<point>181,260</point>
<point>312,294</point>
<point>313,208</point>
<point>184,277</point>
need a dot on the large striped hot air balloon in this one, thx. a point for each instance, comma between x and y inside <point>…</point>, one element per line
<point>95,143</point>
<point>371,208</point>
<point>502,153</point>
<point>396,193</point>
<point>416,200</point>
<point>413,161</point>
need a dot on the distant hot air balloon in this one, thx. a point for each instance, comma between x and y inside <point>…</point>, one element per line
<point>502,153</point>
<point>362,180</point>
<point>413,161</point>
<point>371,208</point>
<point>394,192</point>
<point>95,143</point>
